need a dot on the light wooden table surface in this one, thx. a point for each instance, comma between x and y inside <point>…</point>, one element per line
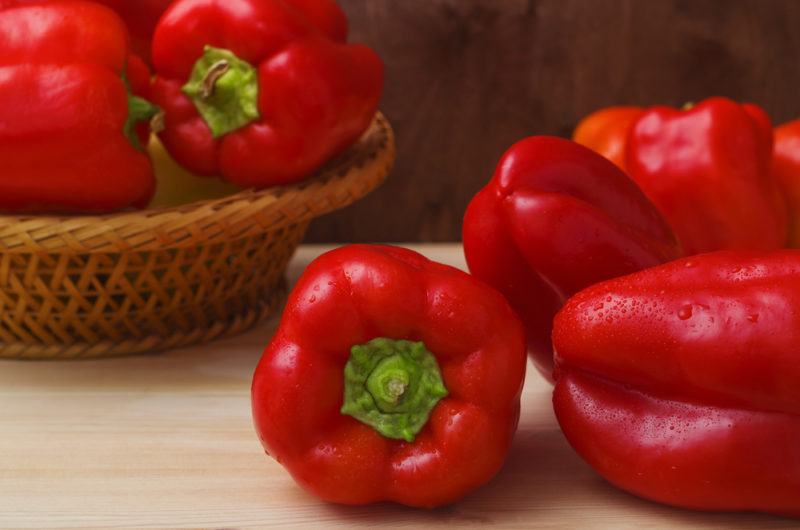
<point>166,441</point>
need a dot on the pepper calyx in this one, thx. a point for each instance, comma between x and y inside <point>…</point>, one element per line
<point>392,386</point>
<point>224,89</point>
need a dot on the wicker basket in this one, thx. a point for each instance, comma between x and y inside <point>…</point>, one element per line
<point>83,287</point>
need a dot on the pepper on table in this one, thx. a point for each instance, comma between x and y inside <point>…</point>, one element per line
<point>679,383</point>
<point>709,170</point>
<point>554,219</point>
<point>390,377</point>
<point>70,140</point>
<point>707,167</point>
<point>261,92</point>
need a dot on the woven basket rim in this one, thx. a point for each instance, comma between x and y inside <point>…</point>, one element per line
<point>359,170</point>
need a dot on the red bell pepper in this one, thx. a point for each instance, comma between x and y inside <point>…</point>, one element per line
<point>68,116</point>
<point>391,377</point>
<point>679,383</point>
<point>606,132</point>
<point>786,168</point>
<point>261,92</point>
<point>554,219</point>
<point>708,170</point>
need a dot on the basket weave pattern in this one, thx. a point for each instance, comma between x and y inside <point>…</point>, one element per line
<point>82,287</point>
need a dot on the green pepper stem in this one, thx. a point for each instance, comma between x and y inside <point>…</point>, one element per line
<point>392,386</point>
<point>139,110</point>
<point>224,89</point>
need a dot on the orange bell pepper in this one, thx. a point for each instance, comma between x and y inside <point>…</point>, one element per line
<point>606,132</point>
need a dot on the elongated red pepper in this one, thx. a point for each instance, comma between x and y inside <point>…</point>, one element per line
<point>261,92</point>
<point>390,378</point>
<point>708,170</point>
<point>679,383</point>
<point>786,167</point>
<point>67,113</point>
<point>556,218</point>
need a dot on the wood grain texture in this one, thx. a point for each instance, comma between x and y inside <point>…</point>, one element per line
<point>467,78</point>
<point>166,441</point>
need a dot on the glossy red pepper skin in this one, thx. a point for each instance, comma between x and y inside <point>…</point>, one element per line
<point>606,132</point>
<point>63,110</point>
<point>140,17</point>
<point>708,170</point>
<point>316,96</point>
<point>786,168</point>
<point>556,218</point>
<point>679,383</point>
<point>348,297</point>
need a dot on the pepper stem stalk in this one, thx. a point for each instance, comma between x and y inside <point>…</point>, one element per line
<point>395,389</point>
<point>216,71</point>
<point>158,122</point>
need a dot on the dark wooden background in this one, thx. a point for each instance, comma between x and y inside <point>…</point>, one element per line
<point>467,78</point>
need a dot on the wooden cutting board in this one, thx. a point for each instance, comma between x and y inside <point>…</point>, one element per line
<point>166,441</point>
